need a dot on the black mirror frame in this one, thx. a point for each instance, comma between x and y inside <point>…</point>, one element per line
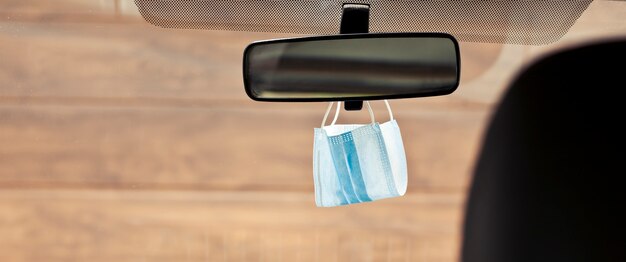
<point>352,36</point>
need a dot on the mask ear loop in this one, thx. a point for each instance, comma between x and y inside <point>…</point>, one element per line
<point>369,108</point>
<point>330,106</point>
<point>336,113</point>
<point>389,109</point>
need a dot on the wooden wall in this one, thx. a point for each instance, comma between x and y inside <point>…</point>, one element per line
<point>121,141</point>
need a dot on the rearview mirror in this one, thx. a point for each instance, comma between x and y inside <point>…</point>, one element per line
<point>352,67</point>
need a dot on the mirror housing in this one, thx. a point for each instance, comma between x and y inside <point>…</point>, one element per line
<point>352,67</point>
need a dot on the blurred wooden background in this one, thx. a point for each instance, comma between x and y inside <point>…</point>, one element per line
<point>121,141</point>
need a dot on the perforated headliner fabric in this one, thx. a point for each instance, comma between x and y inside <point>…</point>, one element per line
<point>531,22</point>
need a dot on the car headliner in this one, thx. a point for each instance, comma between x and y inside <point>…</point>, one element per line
<point>497,21</point>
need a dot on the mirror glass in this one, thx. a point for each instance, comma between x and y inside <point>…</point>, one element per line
<point>344,67</point>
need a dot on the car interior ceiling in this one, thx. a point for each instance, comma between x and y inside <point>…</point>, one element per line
<point>548,183</point>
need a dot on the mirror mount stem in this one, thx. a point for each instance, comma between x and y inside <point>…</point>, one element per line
<point>354,19</point>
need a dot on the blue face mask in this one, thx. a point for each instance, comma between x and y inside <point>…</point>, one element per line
<point>358,163</point>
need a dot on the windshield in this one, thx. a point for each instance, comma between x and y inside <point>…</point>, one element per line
<point>124,141</point>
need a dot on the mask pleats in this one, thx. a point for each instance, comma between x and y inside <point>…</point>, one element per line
<point>346,160</point>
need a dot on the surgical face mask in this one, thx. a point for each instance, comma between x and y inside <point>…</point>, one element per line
<point>358,163</point>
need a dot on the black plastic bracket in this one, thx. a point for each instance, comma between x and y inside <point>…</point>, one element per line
<point>355,19</point>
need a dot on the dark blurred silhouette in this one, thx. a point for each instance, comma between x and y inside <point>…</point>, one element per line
<point>548,185</point>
